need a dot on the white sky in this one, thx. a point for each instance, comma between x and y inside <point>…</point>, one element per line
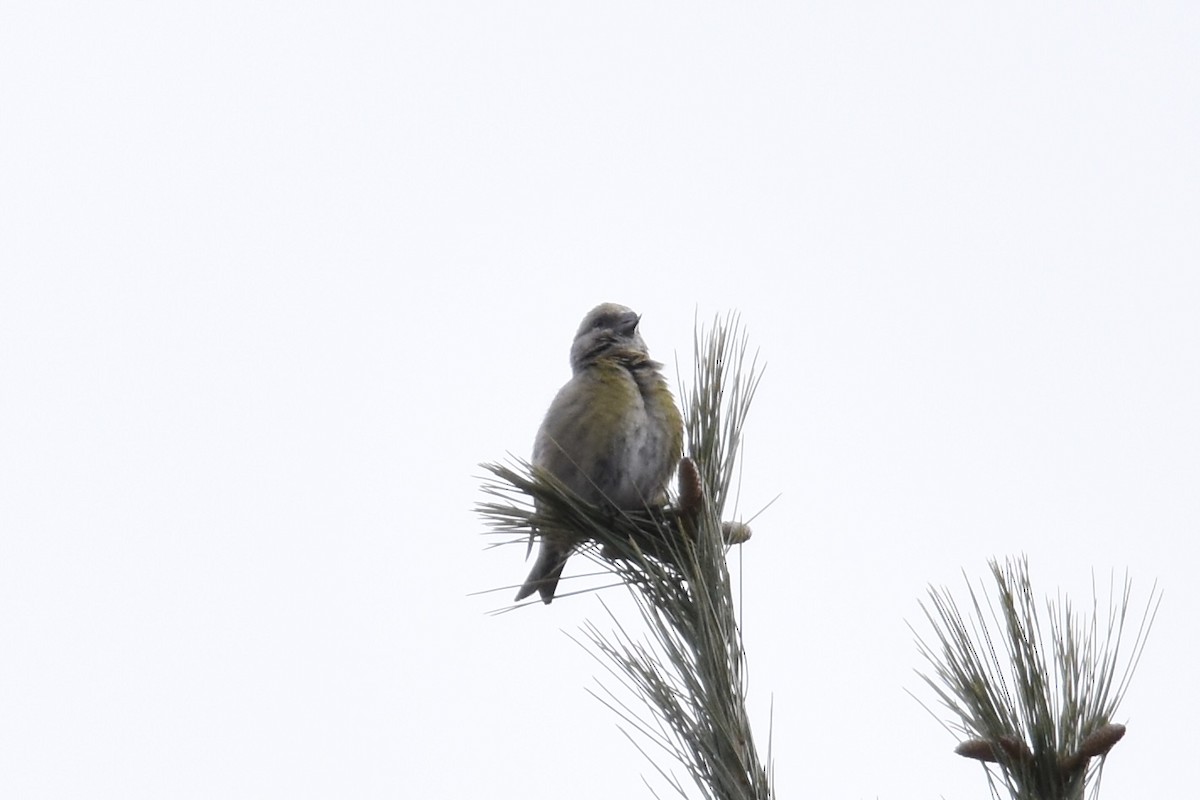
<point>275,280</point>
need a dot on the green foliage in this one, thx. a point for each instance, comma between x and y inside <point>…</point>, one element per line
<point>1040,707</point>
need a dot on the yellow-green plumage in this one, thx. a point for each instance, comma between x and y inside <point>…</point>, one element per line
<point>613,433</point>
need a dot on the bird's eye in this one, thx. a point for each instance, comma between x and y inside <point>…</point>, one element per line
<point>603,321</point>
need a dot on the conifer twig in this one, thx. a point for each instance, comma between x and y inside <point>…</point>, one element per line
<point>1038,706</point>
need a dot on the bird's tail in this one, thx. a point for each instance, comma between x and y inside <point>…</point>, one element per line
<point>543,578</point>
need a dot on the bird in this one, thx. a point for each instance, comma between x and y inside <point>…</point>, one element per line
<point>612,435</point>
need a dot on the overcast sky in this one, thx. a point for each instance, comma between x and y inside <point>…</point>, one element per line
<point>275,279</point>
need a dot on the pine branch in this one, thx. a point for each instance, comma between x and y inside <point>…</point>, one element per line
<point>1040,708</point>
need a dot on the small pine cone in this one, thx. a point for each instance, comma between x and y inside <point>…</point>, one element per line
<point>691,490</point>
<point>1101,740</point>
<point>735,532</point>
<point>978,749</point>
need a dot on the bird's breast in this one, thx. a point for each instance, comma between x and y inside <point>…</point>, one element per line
<point>612,433</point>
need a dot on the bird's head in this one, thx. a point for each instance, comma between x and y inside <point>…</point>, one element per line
<point>608,330</point>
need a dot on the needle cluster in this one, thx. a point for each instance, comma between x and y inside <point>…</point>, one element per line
<point>1033,691</point>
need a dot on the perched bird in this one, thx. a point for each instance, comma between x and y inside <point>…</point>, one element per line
<point>613,433</point>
